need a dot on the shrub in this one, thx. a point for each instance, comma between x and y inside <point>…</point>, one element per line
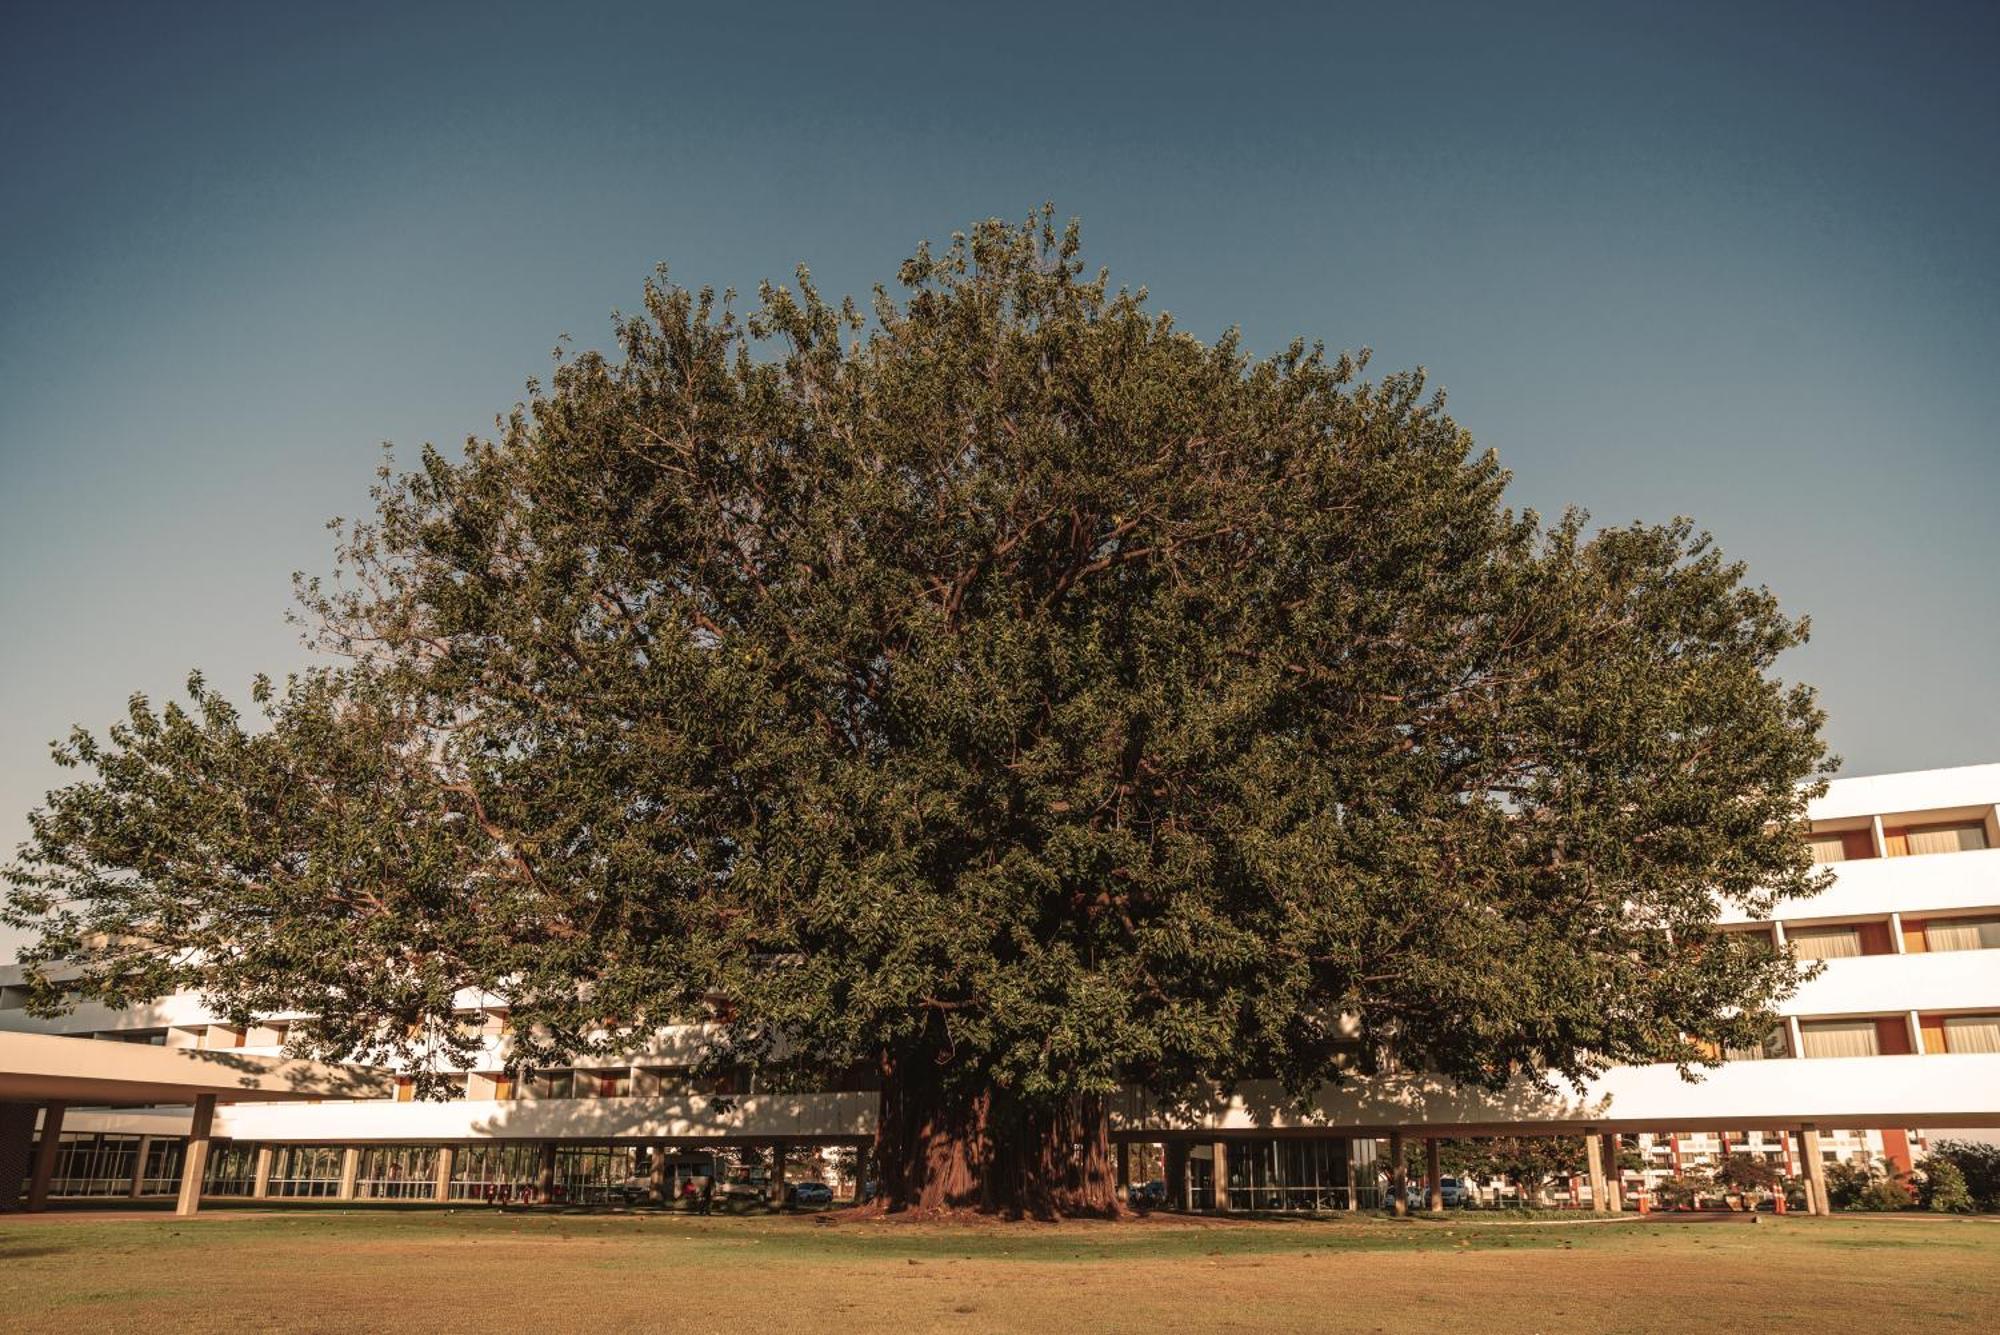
<point>1844,1184</point>
<point>1884,1193</point>
<point>1978,1166</point>
<point>1943,1190</point>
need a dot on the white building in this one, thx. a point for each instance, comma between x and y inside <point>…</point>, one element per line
<point>1901,1030</point>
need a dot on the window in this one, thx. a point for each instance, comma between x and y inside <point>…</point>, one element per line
<point>1841,845</point>
<point>1972,1033</point>
<point>615,1084</point>
<point>1838,1038</point>
<point>1962,933</point>
<point>1959,836</point>
<point>1775,1045</point>
<point>1825,943</point>
<point>552,1085</point>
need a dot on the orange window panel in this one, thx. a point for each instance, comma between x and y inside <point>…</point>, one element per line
<point>1933,1032</point>
<point>1892,1037</point>
<point>1913,936</point>
<point>1857,844</point>
<point>1896,842</point>
<point>1875,938</point>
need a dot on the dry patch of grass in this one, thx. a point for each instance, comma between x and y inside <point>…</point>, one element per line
<point>485,1271</point>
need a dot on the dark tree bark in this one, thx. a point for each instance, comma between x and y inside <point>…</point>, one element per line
<point>942,1148</point>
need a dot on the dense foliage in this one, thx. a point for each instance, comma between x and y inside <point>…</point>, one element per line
<point>1004,700</point>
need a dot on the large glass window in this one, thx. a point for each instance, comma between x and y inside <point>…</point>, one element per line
<point>1825,943</point>
<point>306,1170</point>
<point>1982,933</point>
<point>1838,1038</point>
<point>89,1164</point>
<point>232,1169</point>
<point>481,1172</point>
<point>396,1173</point>
<point>1289,1175</point>
<point>1972,1033</point>
<point>586,1173</point>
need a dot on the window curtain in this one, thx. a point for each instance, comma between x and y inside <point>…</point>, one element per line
<point>1972,1033</point>
<point>1827,848</point>
<point>1948,838</point>
<point>1839,1038</point>
<point>1962,934</point>
<point>1824,943</point>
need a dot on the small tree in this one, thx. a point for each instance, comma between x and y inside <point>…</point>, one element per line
<point>1748,1173</point>
<point>1845,1183</point>
<point>1943,1190</point>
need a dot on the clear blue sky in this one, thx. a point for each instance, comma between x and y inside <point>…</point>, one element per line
<point>1736,261</point>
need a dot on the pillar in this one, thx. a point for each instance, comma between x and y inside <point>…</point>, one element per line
<point>1177,1174</point>
<point>139,1159</point>
<point>1816,1198</point>
<point>1593,1163</point>
<point>1353,1178</point>
<point>1399,1175</point>
<point>44,1171</point>
<point>260,1185</point>
<point>447,1162</point>
<point>1614,1185</point>
<point>1433,1175</point>
<point>1122,1156</point>
<point>1219,1175</point>
<point>194,1163</point>
<point>350,1169</point>
<point>777,1184</point>
<point>656,1181</point>
<point>545,1174</point>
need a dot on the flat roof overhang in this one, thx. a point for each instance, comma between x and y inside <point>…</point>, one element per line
<point>44,1068</point>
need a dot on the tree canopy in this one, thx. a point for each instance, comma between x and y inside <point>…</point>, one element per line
<point>1000,695</point>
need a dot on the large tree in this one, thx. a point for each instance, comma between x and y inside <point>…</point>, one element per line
<point>1001,701</point>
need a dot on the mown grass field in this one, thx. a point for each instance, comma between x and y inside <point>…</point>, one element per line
<point>477,1270</point>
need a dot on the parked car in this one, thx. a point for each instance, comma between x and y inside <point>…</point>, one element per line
<point>809,1193</point>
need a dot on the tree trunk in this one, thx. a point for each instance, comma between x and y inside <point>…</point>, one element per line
<point>942,1147</point>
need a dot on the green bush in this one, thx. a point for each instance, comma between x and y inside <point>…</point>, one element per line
<point>1845,1182</point>
<point>1978,1167</point>
<point>1943,1190</point>
<point>1884,1193</point>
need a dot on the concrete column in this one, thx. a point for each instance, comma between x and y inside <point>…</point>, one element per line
<point>194,1163</point>
<point>777,1183</point>
<point>145,1152</point>
<point>447,1161</point>
<point>350,1169</point>
<point>1353,1180</point>
<point>1177,1174</point>
<point>1433,1175</point>
<point>44,1170</point>
<point>545,1175</point>
<point>1219,1175</point>
<point>1399,1176</point>
<point>1614,1185</point>
<point>260,1185</point>
<point>1816,1197</point>
<point>656,1181</point>
<point>1593,1162</point>
<point>17,1150</point>
<point>1122,1155</point>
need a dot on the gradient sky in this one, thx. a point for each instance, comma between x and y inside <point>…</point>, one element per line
<point>1735,261</point>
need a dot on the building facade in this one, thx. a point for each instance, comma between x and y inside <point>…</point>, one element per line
<point>1900,1030</point>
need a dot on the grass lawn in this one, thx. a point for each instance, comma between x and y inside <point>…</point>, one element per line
<point>480,1270</point>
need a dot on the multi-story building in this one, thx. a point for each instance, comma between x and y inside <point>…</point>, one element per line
<point>1901,1029</point>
